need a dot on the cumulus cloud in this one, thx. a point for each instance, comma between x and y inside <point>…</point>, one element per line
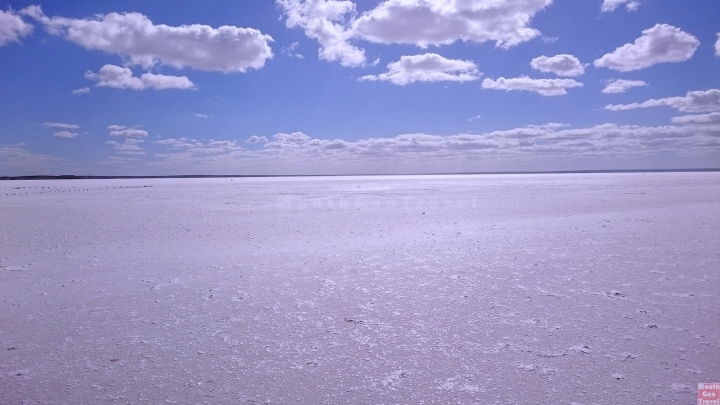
<point>180,143</point>
<point>128,147</point>
<point>334,23</point>
<point>66,131</point>
<point>694,101</point>
<point>419,152</point>
<point>256,139</point>
<point>712,118</point>
<point>545,87</point>
<point>295,137</point>
<point>221,144</point>
<point>442,22</point>
<point>660,44</point>
<point>121,130</point>
<point>620,85</point>
<point>325,21</point>
<point>335,144</point>
<point>612,5</point>
<point>12,27</point>
<point>429,67</point>
<point>193,147</point>
<point>561,65</point>
<point>122,78</point>
<point>83,90</point>
<point>59,125</point>
<point>135,37</point>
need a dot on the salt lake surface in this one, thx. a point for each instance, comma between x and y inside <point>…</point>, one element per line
<point>495,289</point>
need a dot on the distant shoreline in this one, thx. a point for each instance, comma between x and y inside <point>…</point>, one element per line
<point>203,176</point>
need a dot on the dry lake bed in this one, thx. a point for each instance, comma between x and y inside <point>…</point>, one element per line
<point>492,289</point>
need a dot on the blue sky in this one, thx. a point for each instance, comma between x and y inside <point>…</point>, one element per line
<point>341,87</point>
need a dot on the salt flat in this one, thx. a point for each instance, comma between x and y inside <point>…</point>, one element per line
<point>495,289</point>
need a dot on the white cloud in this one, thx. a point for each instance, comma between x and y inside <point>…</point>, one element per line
<point>256,139</point>
<point>65,134</point>
<point>135,37</point>
<point>334,23</point>
<point>660,44</point>
<point>545,87</point>
<point>474,118</point>
<point>65,130</point>
<point>620,85</point>
<point>221,144</point>
<point>717,45</point>
<point>121,130</point>
<point>128,147</point>
<point>83,90</point>
<point>429,67</point>
<point>295,137</point>
<point>538,145</point>
<point>193,148</point>
<point>59,125</point>
<point>442,22</point>
<point>180,143</point>
<point>335,144</point>
<point>561,65</point>
<point>12,27</point>
<point>611,5</point>
<point>18,160</point>
<point>694,101</point>
<point>122,78</point>
<point>324,21</point>
<point>548,126</point>
<point>130,132</point>
<point>712,118</point>
<point>203,116</point>
<point>290,51</point>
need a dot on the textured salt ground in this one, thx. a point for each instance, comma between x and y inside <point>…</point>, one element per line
<point>555,289</point>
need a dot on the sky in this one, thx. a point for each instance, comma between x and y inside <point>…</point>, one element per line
<point>252,87</point>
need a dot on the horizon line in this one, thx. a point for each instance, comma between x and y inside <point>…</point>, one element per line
<point>186,176</point>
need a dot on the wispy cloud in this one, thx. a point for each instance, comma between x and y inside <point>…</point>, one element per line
<point>59,125</point>
<point>83,90</point>
<point>621,86</point>
<point>693,101</point>
<point>545,87</point>
<point>291,51</point>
